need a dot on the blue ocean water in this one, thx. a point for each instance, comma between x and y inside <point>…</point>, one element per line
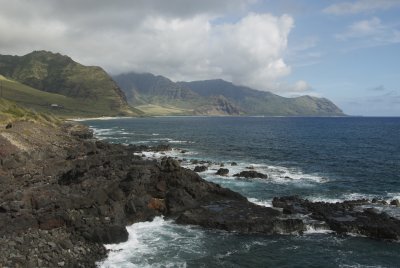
<point>328,159</point>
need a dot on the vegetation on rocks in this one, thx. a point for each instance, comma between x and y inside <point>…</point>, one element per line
<point>10,112</point>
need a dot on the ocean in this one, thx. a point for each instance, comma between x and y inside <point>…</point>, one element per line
<point>321,159</point>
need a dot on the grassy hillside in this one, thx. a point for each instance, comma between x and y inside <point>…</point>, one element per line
<point>10,111</point>
<point>81,90</point>
<point>153,109</point>
<point>45,102</point>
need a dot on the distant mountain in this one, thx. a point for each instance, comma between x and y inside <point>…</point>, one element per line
<point>75,88</point>
<point>148,88</point>
<point>159,95</point>
<point>216,97</point>
<point>264,103</point>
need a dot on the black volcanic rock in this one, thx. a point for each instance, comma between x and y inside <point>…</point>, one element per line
<point>344,217</point>
<point>81,131</point>
<point>200,168</point>
<point>240,216</point>
<point>251,174</point>
<point>107,234</point>
<point>91,190</point>
<point>222,172</point>
<point>66,197</point>
<point>395,202</point>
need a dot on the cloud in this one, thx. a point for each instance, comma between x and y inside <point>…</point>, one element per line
<point>391,97</point>
<point>382,103</point>
<point>256,43</point>
<point>304,53</point>
<point>363,28</point>
<point>295,89</point>
<point>172,38</point>
<point>301,86</point>
<point>372,32</point>
<point>378,88</point>
<point>361,6</point>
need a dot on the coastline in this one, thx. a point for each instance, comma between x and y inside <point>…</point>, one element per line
<point>66,194</point>
<point>82,119</point>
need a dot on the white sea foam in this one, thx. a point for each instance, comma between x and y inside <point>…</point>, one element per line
<point>360,266</point>
<point>154,244</point>
<point>311,229</point>
<point>276,174</point>
<point>178,141</point>
<point>391,196</point>
<point>324,199</point>
<point>103,131</point>
<point>121,132</point>
<point>175,153</point>
<point>169,140</point>
<point>391,210</point>
<point>264,203</point>
<point>355,196</point>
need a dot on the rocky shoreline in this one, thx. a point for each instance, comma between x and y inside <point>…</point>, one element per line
<point>64,194</point>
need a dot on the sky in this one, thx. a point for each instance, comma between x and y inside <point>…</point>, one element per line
<point>346,50</point>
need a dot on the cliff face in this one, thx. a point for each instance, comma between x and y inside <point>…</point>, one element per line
<point>218,105</point>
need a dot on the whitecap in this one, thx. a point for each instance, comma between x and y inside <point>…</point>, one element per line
<point>154,244</point>
<point>103,131</point>
<point>276,174</point>
<point>391,210</point>
<point>312,229</point>
<point>360,266</point>
<point>264,203</point>
<point>324,199</point>
<point>354,196</point>
<point>175,153</point>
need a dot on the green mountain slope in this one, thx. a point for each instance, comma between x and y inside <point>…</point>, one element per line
<point>265,103</point>
<point>211,97</point>
<point>157,95</point>
<point>144,88</point>
<point>80,90</point>
<point>10,111</point>
<point>46,102</point>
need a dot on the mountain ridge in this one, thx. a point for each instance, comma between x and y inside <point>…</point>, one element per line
<point>54,73</point>
<point>88,90</point>
<point>205,97</point>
